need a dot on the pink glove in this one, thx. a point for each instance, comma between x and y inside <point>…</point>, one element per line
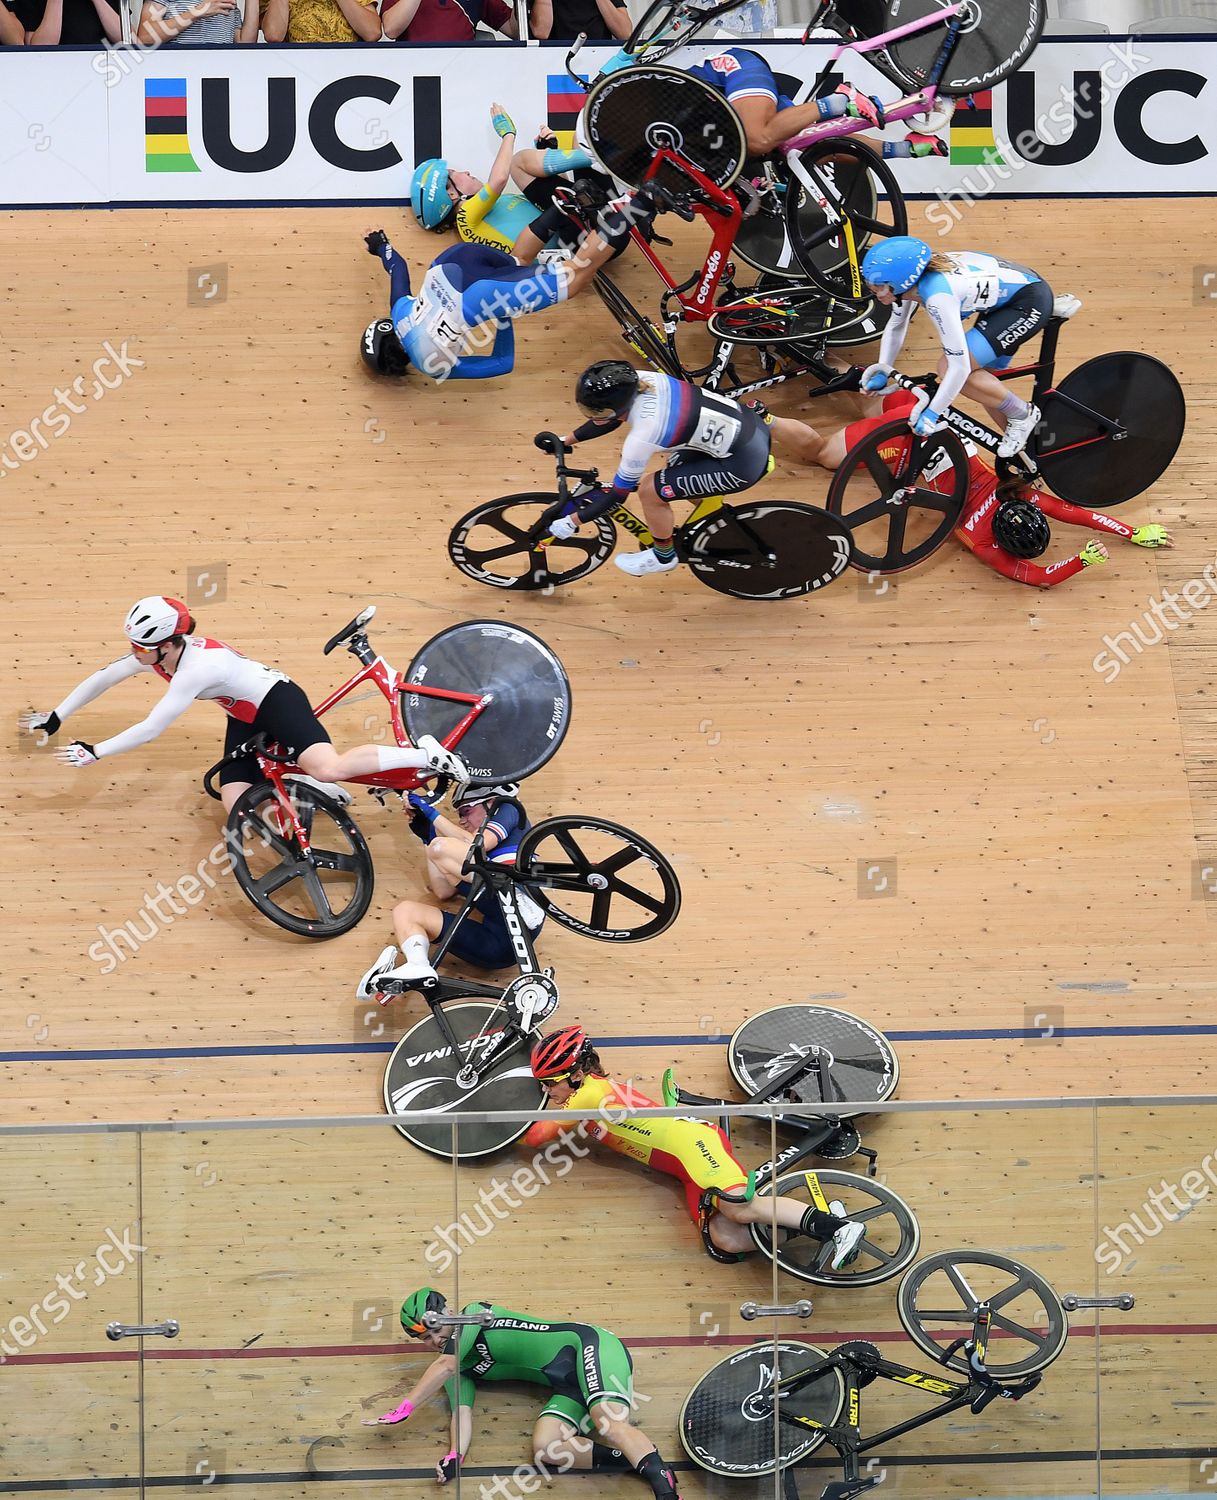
<point>398,1414</point>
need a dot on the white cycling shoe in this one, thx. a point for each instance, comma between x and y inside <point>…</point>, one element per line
<point>848,1239</point>
<point>367,986</point>
<point>1018,433</point>
<point>330,788</point>
<point>441,760</point>
<point>638,563</point>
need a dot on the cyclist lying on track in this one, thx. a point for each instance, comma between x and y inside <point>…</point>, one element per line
<point>719,1192</point>
<point>1012,304</point>
<point>464,287</point>
<point>770,117</point>
<point>417,924</point>
<point>585,1423</point>
<point>485,213</point>
<point>1003,526</point>
<point>720,448</point>
<point>257,699</point>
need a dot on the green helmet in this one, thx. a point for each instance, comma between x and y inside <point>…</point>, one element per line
<point>425,1300</point>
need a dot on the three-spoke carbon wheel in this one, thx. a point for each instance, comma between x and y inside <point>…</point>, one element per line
<point>863,201</point>
<point>937,1303</point>
<point>776,549</point>
<point>727,1422</point>
<point>492,545</point>
<point>318,894</point>
<point>529,710</point>
<point>899,495</point>
<point>890,1243</point>
<point>598,878</point>
<point>423,1077</point>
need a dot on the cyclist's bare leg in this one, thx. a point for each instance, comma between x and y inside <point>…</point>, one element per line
<point>729,1223</point>
<point>445,858</point>
<point>766,126</point>
<point>557,1446</point>
<point>324,763</point>
<point>613,1428</point>
<point>594,253</point>
<point>801,441</point>
<point>230,791</point>
<point>416,919</point>
<point>658,512</point>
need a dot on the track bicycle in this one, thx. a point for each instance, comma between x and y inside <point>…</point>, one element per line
<point>1109,429</point>
<point>759,549</point>
<point>812,206</point>
<point>768,1407</point>
<point>902,37</point>
<point>472,1052</point>
<point>492,690</point>
<point>811,1055</point>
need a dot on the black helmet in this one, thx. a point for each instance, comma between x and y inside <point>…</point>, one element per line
<point>606,387</point>
<point>1021,528</point>
<point>381,349</point>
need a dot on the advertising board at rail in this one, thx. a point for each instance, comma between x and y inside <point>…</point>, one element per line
<point>345,124</point>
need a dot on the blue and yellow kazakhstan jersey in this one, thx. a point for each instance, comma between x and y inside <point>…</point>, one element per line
<point>496,219</point>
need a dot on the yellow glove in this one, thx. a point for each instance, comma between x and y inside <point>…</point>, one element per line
<point>1151,536</point>
<point>1093,554</point>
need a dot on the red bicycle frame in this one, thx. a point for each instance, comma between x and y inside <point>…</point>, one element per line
<point>722,211</point>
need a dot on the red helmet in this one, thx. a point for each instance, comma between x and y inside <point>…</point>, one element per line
<point>560,1053</point>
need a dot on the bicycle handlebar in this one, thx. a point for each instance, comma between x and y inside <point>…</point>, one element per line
<point>259,744</point>
<point>550,442</point>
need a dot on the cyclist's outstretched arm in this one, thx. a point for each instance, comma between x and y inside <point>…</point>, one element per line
<point>500,169</point>
<point>1023,571</point>
<point>1077,515</point>
<point>943,308</point>
<point>895,333</point>
<point>100,682</point>
<point>500,361</point>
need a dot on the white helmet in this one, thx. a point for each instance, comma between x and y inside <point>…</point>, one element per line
<point>155,619</point>
<point>469,795</point>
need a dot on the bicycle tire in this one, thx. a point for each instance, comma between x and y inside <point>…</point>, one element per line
<point>864,1067</point>
<point>997,43</point>
<point>854,192</point>
<point>892,1237</point>
<point>513,562</point>
<point>956,1284</point>
<point>599,864</point>
<point>810,549</point>
<point>869,497</point>
<point>415,1084</point>
<point>632,113</point>
<point>1088,467</point>
<point>720,1433</point>
<point>530,713</point>
<point>637,332</point>
<point>872,320</point>
<point>294,869</point>
<point>781,318</point>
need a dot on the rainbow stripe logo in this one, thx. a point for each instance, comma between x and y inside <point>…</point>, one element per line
<point>972,138</point>
<point>564,101</point>
<point>166,145</point>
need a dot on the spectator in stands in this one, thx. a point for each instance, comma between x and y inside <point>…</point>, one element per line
<point>195,22</point>
<point>319,20</point>
<point>12,32</point>
<point>68,23</point>
<point>445,20</point>
<point>563,20</point>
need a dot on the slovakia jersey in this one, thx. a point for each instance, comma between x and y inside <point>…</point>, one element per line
<point>668,414</point>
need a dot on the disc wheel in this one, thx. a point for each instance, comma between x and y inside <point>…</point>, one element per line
<point>997,38</point>
<point>863,200</point>
<point>421,1079</point>
<point>784,317</point>
<point>318,894</point>
<point>727,1423</point>
<point>890,1243</point>
<point>598,878</point>
<point>638,332</point>
<point>937,1303</point>
<point>767,550</point>
<point>1079,459</point>
<point>491,545</point>
<point>529,712</point>
<point>632,114</point>
<point>859,1067</point>
<point>900,495</point>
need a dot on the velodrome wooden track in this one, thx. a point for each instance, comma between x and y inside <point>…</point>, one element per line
<point>1048,832</point>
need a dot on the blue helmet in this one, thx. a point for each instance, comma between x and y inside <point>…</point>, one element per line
<point>429,193</point>
<point>898,262</point>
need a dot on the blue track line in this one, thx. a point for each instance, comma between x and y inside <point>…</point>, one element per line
<point>315,1049</point>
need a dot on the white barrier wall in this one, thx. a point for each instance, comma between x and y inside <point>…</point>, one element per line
<point>1112,117</point>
